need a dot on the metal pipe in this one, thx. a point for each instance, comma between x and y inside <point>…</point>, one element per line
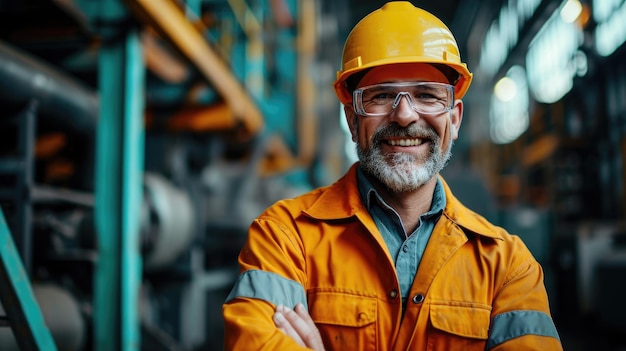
<point>63,100</point>
<point>217,117</point>
<point>161,62</point>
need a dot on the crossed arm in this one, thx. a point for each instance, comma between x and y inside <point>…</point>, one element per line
<point>298,325</point>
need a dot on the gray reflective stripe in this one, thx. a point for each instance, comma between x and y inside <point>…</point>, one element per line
<point>270,287</point>
<point>509,325</point>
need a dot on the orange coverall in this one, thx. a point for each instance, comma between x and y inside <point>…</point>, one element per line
<point>477,287</point>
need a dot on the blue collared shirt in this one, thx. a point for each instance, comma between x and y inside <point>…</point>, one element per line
<point>406,249</point>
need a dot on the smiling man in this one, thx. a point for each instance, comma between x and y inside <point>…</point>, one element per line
<point>387,258</point>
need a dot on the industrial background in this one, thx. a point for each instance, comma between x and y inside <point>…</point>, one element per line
<point>139,138</point>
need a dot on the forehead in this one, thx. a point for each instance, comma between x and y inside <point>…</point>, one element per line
<point>403,72</point>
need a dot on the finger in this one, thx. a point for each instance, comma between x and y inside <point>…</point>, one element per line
<point>305,327</point>
<point>285,326</point>
<point>304,314</point>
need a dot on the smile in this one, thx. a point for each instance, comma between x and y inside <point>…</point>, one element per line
<point>404,142</point>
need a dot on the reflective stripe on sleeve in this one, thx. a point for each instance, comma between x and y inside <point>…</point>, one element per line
<point>509,325</point>
<point>268,286</point>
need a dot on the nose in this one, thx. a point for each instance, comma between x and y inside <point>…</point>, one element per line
<point>403,112</point>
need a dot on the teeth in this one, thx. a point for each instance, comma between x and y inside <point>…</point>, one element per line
<point>405,142</point>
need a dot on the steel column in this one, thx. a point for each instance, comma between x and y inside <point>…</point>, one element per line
<point>119,166</point>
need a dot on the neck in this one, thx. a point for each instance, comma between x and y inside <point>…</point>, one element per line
<point>409,205</point>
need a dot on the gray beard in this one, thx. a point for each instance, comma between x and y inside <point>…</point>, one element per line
<point>400,172</point>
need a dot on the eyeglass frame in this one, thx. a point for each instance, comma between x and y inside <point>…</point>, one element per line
<point>357,98</point>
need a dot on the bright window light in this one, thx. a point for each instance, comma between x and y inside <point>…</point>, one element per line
<point>505,89</point>
<point>509,112</point>
<point>571,11</point>
<point>551,59</point>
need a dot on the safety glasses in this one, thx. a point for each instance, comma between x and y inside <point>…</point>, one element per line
<point>424,97</point>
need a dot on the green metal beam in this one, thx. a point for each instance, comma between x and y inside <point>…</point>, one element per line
<point>18,301</point>
<point>118,183</point>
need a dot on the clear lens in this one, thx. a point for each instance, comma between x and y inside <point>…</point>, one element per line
<point>424,98</point>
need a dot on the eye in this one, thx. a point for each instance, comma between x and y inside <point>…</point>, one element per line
<point>426,96</point>
<point>384,96</point>
<point>379,96</point>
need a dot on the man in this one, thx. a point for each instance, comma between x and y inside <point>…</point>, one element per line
<point>387,258</point>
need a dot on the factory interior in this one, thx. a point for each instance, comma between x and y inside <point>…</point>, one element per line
<point>139,139</point>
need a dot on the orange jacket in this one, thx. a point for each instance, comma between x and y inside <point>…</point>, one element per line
<point>477,287</point>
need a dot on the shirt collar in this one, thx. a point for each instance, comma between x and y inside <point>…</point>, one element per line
<point>370,196</point>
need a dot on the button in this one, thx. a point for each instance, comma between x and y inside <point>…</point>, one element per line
<point>362,316</point>
<point>417,299</point>
<point>393,294</point>
<point>405,248</point>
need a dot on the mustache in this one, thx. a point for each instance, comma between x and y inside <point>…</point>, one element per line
<point>412,131</point>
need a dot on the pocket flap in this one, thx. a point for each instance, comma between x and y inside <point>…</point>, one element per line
<point>466,321</point>
<point>340,308</point>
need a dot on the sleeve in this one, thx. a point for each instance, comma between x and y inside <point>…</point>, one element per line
<point>521,317</point>
<point>271,273</point>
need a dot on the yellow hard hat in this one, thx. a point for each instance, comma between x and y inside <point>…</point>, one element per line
<point>399,32</point>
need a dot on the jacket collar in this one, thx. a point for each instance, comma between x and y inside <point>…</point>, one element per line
<point>466,218</point>
<point>341,200</point>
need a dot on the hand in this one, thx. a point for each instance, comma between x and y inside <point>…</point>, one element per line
<point>299,326</point>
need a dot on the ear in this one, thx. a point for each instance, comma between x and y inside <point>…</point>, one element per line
<point>456,116</point>
<point>351,121</point>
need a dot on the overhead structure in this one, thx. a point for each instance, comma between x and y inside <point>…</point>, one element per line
<point>169,21</point>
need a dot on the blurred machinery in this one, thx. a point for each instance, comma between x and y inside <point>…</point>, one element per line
<point>139,140</point>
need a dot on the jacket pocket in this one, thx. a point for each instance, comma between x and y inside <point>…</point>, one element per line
<point>346,321</point>
<point>459,327</point>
